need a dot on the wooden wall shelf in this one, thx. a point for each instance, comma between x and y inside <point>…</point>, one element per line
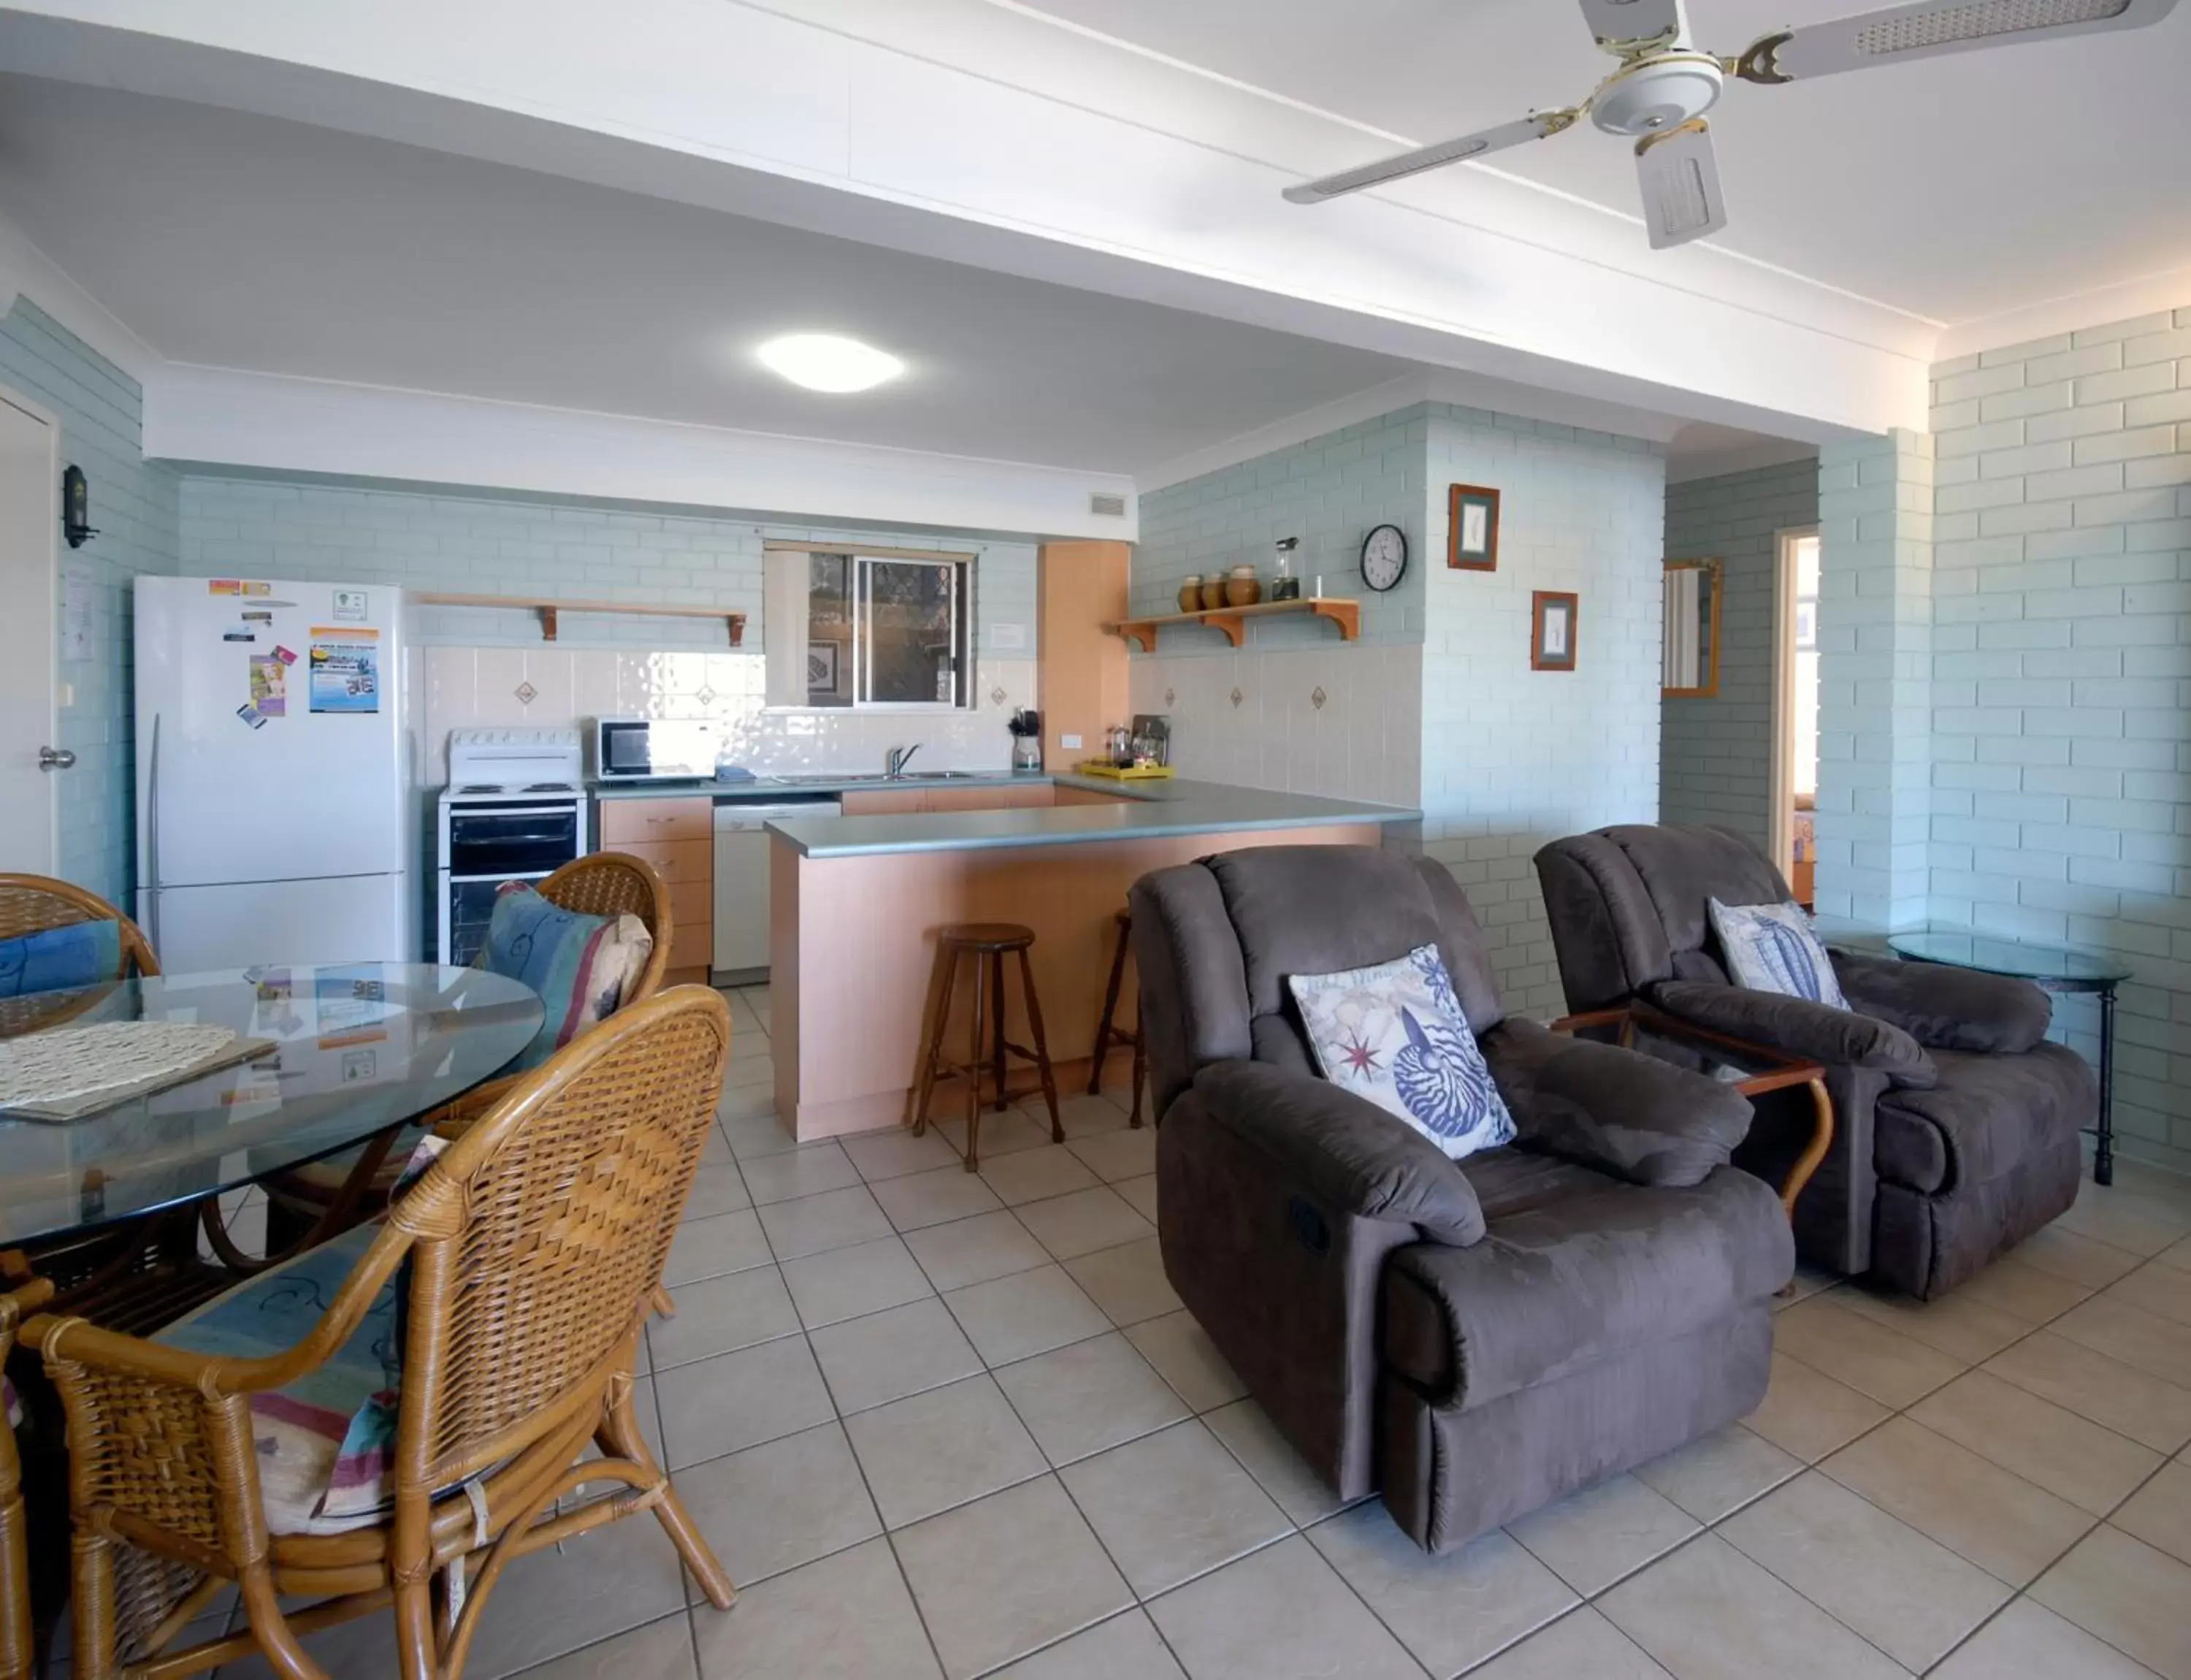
<point>1233,620</point>
<point>548,610</point>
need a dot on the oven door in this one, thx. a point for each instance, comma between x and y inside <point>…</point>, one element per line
<point>505,842</point>
<point>624,748</point>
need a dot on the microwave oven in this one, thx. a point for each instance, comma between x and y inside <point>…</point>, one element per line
<point>654,749</point>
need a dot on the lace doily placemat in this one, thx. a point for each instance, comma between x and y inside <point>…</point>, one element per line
<point>70,1072</point>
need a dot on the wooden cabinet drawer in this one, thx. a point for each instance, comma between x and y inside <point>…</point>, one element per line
<point>692,904</point>
<point>884,801</point>
<point>656,819</point>
<point>1001,798</point>
<point>675,861</point>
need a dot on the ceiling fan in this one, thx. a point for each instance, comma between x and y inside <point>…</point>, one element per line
<point>1664,84</point>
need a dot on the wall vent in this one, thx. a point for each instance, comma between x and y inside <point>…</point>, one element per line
<point>1104,504</point>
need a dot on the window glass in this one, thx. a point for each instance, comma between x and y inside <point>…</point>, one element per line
<point>912,632</point>
<point>829,631</point>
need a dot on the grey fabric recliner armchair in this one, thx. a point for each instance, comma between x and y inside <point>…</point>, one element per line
<point>1473,1338</point>
<point>1955,1122</point>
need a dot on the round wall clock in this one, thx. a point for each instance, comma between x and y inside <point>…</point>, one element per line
<point>1384,557</point>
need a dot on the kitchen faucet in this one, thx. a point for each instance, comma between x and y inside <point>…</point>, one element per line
<point>894,762</point>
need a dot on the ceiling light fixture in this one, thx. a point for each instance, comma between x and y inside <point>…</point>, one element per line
<point>826,361</point>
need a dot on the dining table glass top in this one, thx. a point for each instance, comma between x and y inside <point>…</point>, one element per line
<point>356,1050</point>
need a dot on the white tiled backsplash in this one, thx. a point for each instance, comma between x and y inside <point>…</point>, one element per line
<point>486,687</point>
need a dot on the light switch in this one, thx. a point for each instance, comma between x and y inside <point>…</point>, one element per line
<point>1071,744</point>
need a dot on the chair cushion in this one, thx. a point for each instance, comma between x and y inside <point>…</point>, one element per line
<point>56,958</point>
<point>583,967</point>
<point>1986,1116</point>
<point>1585,1268</point>
<point>324,1441</point>
<point>1394,1033</point>
<point>1770,948</point>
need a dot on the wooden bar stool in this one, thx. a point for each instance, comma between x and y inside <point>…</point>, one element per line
<point>1107,1034</point>
<point>988,944</point>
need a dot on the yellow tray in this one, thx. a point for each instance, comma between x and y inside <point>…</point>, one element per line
<point>1151,773</point>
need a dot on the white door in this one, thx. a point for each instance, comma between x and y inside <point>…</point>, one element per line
<point>29,514</point>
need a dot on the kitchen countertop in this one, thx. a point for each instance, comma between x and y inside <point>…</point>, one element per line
<point>771,788</point>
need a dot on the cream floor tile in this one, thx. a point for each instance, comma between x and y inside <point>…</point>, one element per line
<point>1084,1221</point>
<point>1909,1596</point>
<point>1594,1537</point>
<point>2118,1589</point>
<point>2138,1225</point>
<point>1452,1612</point>
<point>1126,1646</point>
<point>2179,1257</point>
<point>1185,1356</point>
<point>740,1400</point>
<point>1809,1280</point>
<point>839,1283</point>
<point>775,1506</point>
<point>2010,1528</point>
<point>1006,1575</point>
<point>2024,1290</point>
<point>1250,1436</point>
<point>887,1356</point>
<point>717,1189</point>
<point>614,1578</point>
<point>1028,1312</point>
<point>1280,1614</point>
<point>721,1315</point>
<point>754,1071</point>
<point>836,1219</point>
<point>1890,1367</point>
<point>661,1650</point>
<point>2126,1400</point>
<point>846,1617</point>
<point>716,1151</point>
<point>1127,1282</point>
<point>716,1247</point>
<point>1001,1134</point>
<point>1581,1645</point>
<point>2029,1642</point>
<point>897,1153</point>
<point>974,1250</point>
<point>2162,1290</point>
<point>1084,1116</point>
<point>2091,1468</point>
<point>1807,1414</point>
<point>1081,1398</point>
<point>1140,1194</point>
<point>742,1103</point>
<point>1720,1473</point>
<point>2131,1334</point>
<point>1172,1505</point>
<point>753,1135</point>
<point>931,1451</point>
<point>2079,1259</point>
<point>1030,1175</point>
<point>1706,1612</point>
<point>1113,1156</point>
<point>1958,1324</point>
<point>2159,1513</point>
<point>936,1197</point>
<point>799,1172</point>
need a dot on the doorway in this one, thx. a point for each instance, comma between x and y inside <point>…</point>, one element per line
<point>1795,792</point>
<point>29,514</point>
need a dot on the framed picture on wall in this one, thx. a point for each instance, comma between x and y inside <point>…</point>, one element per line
<point>1552,619</point>
<point>1472,529</point>
<point>821,668</point>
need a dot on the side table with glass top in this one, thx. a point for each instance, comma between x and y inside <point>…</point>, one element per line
<point>1752,1069</point>
<point>2059,969</point>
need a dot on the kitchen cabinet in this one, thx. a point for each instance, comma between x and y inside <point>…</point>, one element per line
<point>898,801</point>
<point>676,836</point>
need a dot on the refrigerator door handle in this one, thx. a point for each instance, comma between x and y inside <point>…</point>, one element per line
<point>152,838</point>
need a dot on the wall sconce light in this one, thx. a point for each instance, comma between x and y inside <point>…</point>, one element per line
<point>76,507</point>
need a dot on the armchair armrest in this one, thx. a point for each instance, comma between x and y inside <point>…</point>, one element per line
<point>1798,1026</point>
<point>1349,1153</point>
<point>1631,1115</point>
<point>1946,1008</point>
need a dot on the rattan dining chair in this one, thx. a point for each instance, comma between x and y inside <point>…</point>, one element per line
<point>526,1254</point>
<point>18,1641</point>
<point>314,1203</point>
<point>38,904</point>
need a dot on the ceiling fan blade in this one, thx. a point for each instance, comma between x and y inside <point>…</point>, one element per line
<point>1534,127</point>
<point>1931,27</point>
<point>1623,24</point>
<point>1680,177</point>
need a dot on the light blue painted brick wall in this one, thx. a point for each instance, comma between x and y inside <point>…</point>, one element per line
<point>1715,753</point>
<point>478,542</point>
<point>2061,717</point>
<point>134,506</point>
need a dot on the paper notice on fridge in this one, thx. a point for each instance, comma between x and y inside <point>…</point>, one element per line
<point>270,685</point>
<point>345,669</point>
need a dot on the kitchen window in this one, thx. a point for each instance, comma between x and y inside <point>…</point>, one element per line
<point>884,632</point>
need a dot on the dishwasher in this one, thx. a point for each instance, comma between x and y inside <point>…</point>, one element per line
<point>741,900</point>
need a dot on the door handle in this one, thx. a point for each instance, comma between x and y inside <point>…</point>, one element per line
<point>56,758</point>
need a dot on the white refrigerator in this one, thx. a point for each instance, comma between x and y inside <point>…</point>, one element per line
<point>277,810</point>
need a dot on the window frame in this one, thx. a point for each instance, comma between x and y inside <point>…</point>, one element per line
<point>964,612</point>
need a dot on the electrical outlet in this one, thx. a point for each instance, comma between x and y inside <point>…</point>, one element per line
<point>1071,744</point>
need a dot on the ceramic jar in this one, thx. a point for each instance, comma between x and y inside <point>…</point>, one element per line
<point>1190,594</point>
<point>1213,594</point>
<point>1241,588</point>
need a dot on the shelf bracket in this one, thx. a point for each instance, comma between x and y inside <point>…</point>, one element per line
<point>547,624</point>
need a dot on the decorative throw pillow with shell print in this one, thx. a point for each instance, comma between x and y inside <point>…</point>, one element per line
<point>1395,1034</point>
<point>1771,948</point>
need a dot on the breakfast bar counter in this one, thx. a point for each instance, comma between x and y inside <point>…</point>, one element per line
<point>857,903</point>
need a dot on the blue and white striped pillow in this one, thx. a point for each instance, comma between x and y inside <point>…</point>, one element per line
<point>1770,948</point>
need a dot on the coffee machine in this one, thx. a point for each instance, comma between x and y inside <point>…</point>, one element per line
<point>1152,737</point>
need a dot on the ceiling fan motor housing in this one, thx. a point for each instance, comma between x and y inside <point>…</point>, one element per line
<point>1657,94</point>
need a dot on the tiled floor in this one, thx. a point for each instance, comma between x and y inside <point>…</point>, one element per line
<point>937,1424</point>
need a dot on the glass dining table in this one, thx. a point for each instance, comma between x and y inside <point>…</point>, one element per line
<point>355,1052</point>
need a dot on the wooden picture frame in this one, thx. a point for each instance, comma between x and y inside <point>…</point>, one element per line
<point>1554,616</point>
<point>1472,529</point>
<point>1686,672</point>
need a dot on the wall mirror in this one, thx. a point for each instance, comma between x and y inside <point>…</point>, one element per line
<point>1691,662</point>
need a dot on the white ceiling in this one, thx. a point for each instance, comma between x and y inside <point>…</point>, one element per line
<point>1954,188</point>
<point>240,241</point>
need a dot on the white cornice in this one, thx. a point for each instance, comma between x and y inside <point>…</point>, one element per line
<point>2148,294</point>
<point>27,272</point>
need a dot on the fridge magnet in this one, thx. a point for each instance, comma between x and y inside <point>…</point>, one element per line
<point>1472,529</point>
<point>237,635</point>
<point>254,589</point>
<point>1552,617</point>
<point>345,666</point>
<point>250,715</point>
<point>270,685</point>
<point>223,586</point>
<point>284,655</point>
<point>349,606</point>
<point>257,619</point>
